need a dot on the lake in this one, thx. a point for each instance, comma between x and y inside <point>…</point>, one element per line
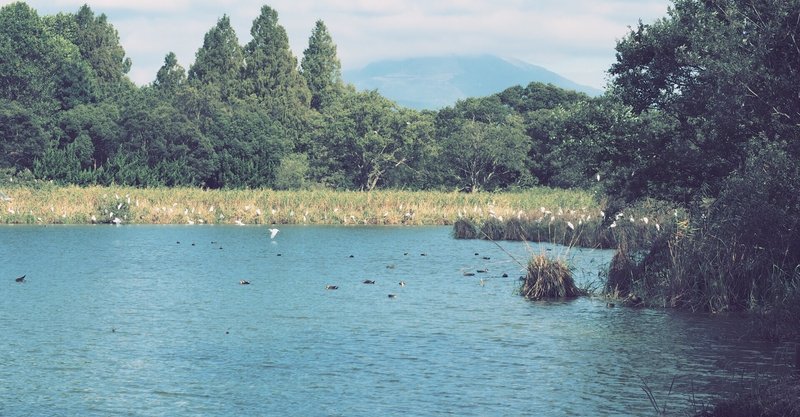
<point>153,321</point>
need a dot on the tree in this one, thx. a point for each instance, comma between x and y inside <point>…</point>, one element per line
<point>219,62</point>
<point>98,43</point>
<point>270,70</point>
<point>292,172</point>
<point>538,96</point>
<point>164,141</point>
<point>483,145</point>
<point>249,144</point>
<point>363,139</point>
<point>95,123</point>
<point>321,67</point>
<point>170,76</point>
<point>725,71</point>
<point>483,155</point>
<point>22,135</point>
<point>39,69</point>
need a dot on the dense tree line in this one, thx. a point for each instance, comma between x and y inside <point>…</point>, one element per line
<point>246,116</point>
<point>694,99</point>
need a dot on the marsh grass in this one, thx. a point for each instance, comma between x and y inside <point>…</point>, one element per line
<point>548,279</point>
<point>464,229</point>
<point>589,227</point>
<point>44,203</point>
<point>779,398</point>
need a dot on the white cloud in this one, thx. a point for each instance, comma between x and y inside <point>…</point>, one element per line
<point>138,5</point>
<point>575,38</point>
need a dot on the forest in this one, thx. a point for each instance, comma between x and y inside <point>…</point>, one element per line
<point>248,116</point>
<point>702,112</point>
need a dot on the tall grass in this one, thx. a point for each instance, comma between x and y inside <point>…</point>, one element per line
<point>548,278</point>
<point>576,226</point>
<point>50,204</point>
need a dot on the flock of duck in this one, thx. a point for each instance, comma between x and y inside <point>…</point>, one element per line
<point>331,287</point>
<point>273,232</point>
<point>368,282</point>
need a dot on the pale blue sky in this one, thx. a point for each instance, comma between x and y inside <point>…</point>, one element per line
<point>574,38</point>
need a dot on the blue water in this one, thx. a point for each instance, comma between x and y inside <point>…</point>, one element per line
<point>152,321</point>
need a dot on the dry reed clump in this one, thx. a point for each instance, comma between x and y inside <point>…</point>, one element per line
<point>547,279</point>
<point>621,274</point>
<point>464,229</point>
<point>515,230</point>
<point>492,229</point>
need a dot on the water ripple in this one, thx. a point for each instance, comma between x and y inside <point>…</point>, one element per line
<point>124,321</point>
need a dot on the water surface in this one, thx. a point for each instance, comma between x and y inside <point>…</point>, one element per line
<point>152,321</point>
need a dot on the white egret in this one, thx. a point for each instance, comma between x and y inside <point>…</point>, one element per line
<point>273,233</point>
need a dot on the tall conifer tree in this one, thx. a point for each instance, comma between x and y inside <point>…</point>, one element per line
<point>321,67</point>
<point>270,70</point>
<point>220,60</point>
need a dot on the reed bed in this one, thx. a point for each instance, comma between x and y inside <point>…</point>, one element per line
<point>637,226</point>
<point>50,204</point>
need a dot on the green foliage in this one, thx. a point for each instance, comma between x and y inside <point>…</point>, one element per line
<point>271,72</point>
<point>219,62</point>
<point>243,116</point>
<point>170,76</point>
<point>98,43</point>
<point>483,145</point>
<point>40,70</point>
<point>321,67</point>
<point>22,135</point>
<point>292,172</point>
<point>361,142</point>
<point>725,72</point>
<point>109,209</point>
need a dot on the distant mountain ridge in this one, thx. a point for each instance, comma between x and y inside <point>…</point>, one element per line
<point>436,82</point>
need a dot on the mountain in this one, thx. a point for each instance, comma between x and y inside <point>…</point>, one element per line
<point>436,82</point>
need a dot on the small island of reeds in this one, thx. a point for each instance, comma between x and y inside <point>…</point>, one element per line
<point>548,278</point>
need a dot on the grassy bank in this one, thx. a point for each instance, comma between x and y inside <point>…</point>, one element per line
<point>50,204</point>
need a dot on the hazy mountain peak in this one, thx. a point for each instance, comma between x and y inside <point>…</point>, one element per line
<point>439,81</point>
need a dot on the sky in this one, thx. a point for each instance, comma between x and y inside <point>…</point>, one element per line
<point>574,38</point>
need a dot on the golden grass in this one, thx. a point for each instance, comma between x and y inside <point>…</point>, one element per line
<point>50,204</point>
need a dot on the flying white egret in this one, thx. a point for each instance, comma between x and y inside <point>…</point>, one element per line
<point>273,233</point>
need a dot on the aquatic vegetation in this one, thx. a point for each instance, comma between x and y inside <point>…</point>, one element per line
<point>464,229</point>
<point>780,398</point>
<point>548,278</point>
<point>583,227</point>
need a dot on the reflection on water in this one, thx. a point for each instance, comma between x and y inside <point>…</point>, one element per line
<point>151,320</point>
